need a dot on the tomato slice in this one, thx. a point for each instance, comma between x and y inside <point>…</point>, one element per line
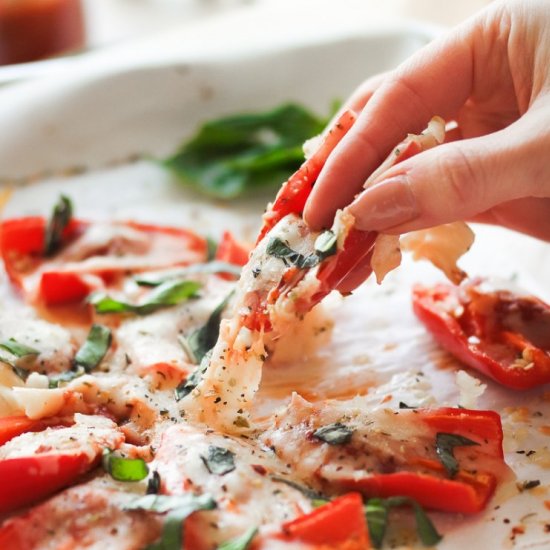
<point>27,480</point>
<point>12,426</point>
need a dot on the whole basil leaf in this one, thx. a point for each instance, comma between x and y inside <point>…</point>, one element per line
<point>234,154</point>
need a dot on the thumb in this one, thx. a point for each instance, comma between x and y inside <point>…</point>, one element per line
<point>456,181</point>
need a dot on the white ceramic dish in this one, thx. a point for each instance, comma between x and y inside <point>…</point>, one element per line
<point>144,98</point>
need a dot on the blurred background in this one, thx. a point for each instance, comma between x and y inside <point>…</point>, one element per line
<point>37,29</point>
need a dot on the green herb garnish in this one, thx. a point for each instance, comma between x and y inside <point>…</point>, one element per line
<point>444,447</point>
<point>325,244</point>
<point>219,461</point>
<point>306,491</point>
<point>334,434</point>
<point>169,293</point>
<point>153,484</point>
<point>279,249</point>
<point>240,543</point>
<point>124,469</point>
<point>54,380</point>
<point>156,279</point>
<point>18,349</point>
<point>377,511</point>
<point>202,340</point>
<point>235,154</point>
<point>177,510</point>
<point>60,218</point>
<point>94,348</point>
<point>192,381</point>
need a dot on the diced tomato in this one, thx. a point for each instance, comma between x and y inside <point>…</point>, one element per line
<point>58,287</point>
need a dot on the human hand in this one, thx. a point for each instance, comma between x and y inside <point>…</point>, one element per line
<point>491,76</point>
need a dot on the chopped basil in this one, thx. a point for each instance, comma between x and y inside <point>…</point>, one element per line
<point>306,491</point>
<point>279,249</point>
<point>157,278</point>
<point>377,511</point>
<point>55,380</point>
<point>169,293</point>
<point>94,348</point>
<point>444,447</point>
<point>60,218</point>
<point>526,485</point>
<point>240,543</point>
<point>244,152</point>
<point>219,461</point>
<point>202,340</point>
<point>177,510</point>
<point>403,405</point>
<point>211,248</point>
<point>153,484</point>
<point>192,381</point>
<point>124,469</point>
<point>334,434</point>
<point>18,349</point>
<point>325,244</point>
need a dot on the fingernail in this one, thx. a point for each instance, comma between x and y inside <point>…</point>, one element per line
<point>387,204</point>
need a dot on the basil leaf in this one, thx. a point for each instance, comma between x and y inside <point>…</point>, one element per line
<point>377,511</point>
<point>325,244</point>
<point>403,405</point>
<point>153,485</point>
<point>156,279</point>
<point>192,381</point>
<point>202,340</point>
<point>169,293</point>
<point>18,349</point>
<point>219,461</point>
<point>232,155</point>
<point>334,434</point>
<point>444,447</point>
<point>60,218</point>
<point>124,469</point>
<point>240,543</point>
<point>179,508</point>
<point>279,249</point>
<point>306,491</point>
<point>211,248</point>
<point>94,348</point>
<point>55,380</point>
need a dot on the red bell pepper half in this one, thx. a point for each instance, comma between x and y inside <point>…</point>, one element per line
<point>468,492</point>
<point>497,332</point>
<point>338,524</point>
<point>22,245</point>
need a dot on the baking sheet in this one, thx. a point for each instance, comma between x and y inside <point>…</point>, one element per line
<point>145,99</point>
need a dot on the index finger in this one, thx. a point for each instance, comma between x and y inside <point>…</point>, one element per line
<point>436,80</point>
